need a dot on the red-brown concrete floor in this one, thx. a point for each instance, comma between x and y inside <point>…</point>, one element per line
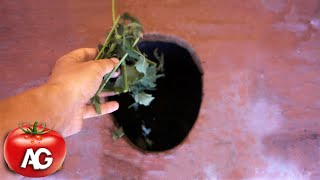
<point>260,113</point>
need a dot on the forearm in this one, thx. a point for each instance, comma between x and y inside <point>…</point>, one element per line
<point>62,101</point>
<point>28,106</point>
<point>38,104</point>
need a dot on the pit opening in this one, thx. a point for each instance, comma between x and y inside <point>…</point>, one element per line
<point>172,114</point>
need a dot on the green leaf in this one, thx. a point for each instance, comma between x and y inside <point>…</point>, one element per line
<point>143,98</point>
<point>133,75</point>
<point>126,47</point>
<point>138,72</point>
<point>118,85</point>
<point>145,131</point>
<point>148,83</point>
<point>160,58</point>
<point>149,141</point>
<point>149,80</point>
<point>127,16</point>
<point>142,65</point>
<point>134,29</point>
<point>120,28</point>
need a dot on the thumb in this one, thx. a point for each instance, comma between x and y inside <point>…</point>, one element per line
<point>97,69</point>
<point>106,65</point>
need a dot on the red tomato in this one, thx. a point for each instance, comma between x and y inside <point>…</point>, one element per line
<point>19,141</point>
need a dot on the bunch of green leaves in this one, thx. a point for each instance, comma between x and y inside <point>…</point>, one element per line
<point>138,73</point>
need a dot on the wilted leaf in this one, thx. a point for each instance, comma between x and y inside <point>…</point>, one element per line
<point>127,16</point>
<point>117,133</point>
<point>143,98</point>
<point>126,47</point>
<point>138,72</point>
<point>149,80</point>
<point>160,58</point>
<point>145,131</point>
<point>133,75</point>
<point>142,65</point>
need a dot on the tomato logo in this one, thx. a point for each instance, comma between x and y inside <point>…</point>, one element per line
<point>34,151</point>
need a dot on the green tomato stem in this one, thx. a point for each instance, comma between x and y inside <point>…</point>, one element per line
<point>113,11</point>
<point>111,74</point>
<point>114,14</point>
<point>125,76</point>
<point>149,61</point>
<point>108,38</point>
<point>34,130</point>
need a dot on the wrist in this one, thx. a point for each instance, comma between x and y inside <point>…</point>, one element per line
<point>63,107</point>
<point>29,106</point>
<point>55,100</point>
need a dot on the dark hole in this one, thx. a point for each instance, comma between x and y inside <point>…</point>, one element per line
<point>177,100</point>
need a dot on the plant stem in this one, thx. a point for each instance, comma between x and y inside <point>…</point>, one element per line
<point>149,61</point>
<point>114,14</point>
<point>111,74</point>
<point>114,11</point>
<point>125,76</point>
<point>108,38</point>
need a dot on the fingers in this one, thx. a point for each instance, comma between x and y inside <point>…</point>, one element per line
<point>115,60</point>
<point>103,95</point>
<point>106,108</point>
<point>104,66</point>
<point>106,94</point>
<point>81,55</point>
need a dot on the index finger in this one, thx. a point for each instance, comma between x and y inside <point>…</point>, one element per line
<point>81,55</point>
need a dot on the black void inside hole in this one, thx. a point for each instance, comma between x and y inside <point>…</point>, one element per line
<point>175,108</point>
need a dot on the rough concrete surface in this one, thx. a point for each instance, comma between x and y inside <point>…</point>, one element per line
<point>260,114</point>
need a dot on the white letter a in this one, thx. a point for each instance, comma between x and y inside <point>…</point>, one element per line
<point>29,153</point>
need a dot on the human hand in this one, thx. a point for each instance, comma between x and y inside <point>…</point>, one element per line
<point>76,78</point>
<point>62,101</point>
